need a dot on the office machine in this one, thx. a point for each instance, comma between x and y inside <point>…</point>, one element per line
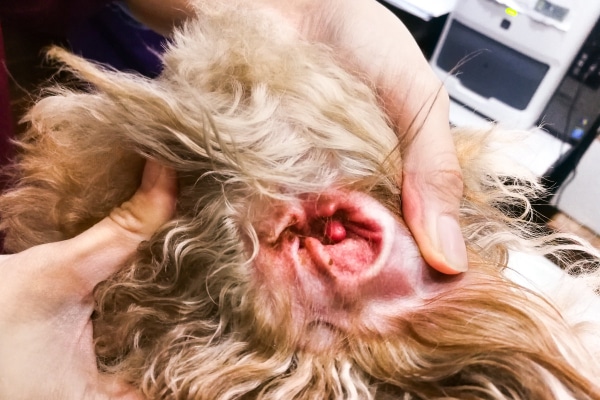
<point>576,103</point>
<point>505,59</point>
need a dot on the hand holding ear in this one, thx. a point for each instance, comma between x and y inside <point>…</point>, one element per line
<point>46,341</point>
<point>432,189</point>
<point>375,44</point>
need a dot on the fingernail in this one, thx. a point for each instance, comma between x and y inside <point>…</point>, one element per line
<point>151,175</point>
<point>452,243</point>
<point>157,177</point>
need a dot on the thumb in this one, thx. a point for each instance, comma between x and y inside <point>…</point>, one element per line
<point>430,204</point>
<point>98,252</point>
<point>432,189</point>
<point>432,185</point>
<point>101,250</point>
<point>75,266</point>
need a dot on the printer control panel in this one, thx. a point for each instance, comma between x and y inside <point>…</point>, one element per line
<point>586,66</point>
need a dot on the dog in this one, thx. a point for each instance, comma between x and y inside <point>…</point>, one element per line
<point>287,271</point>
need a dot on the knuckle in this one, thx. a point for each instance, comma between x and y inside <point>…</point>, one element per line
<point>127,218</point>
<point>443,186</point>
<point>446,184</point>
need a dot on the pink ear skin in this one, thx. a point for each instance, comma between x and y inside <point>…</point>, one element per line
<point>341,252</point>
<point>335,231</point>
<point>349,253</point>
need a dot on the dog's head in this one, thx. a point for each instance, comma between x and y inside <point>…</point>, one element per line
<point>288,271</point>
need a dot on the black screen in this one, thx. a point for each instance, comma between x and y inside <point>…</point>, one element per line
<point>493,70</point>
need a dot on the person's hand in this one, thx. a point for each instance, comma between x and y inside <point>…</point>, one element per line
<point>46,344</point>
<point>375,44</point>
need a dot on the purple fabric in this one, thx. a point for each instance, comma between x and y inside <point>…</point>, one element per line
<point>113,37</point>
<point>48,16</point>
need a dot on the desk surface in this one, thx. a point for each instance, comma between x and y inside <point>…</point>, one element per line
<point>425,10</point>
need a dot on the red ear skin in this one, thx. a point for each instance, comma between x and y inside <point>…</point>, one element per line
<point>341,248</point>
<point>335,231</point>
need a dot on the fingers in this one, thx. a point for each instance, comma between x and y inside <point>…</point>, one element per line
<point>432,190</point>
<point>117,389</point>
<point>430,207</point>
<point>100,251</point>
<point>151,206</point>
<point>46,302</point>
<point>161,15</point>
<point>72,268</point>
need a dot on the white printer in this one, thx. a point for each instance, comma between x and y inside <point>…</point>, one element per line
<point>504,59</point>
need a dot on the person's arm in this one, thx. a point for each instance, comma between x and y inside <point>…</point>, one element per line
<point>375,44</point>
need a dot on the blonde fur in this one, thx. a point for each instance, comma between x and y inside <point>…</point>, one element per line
<point>251,117</point>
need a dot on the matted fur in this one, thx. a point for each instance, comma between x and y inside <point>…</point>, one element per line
<point>251,116</point>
